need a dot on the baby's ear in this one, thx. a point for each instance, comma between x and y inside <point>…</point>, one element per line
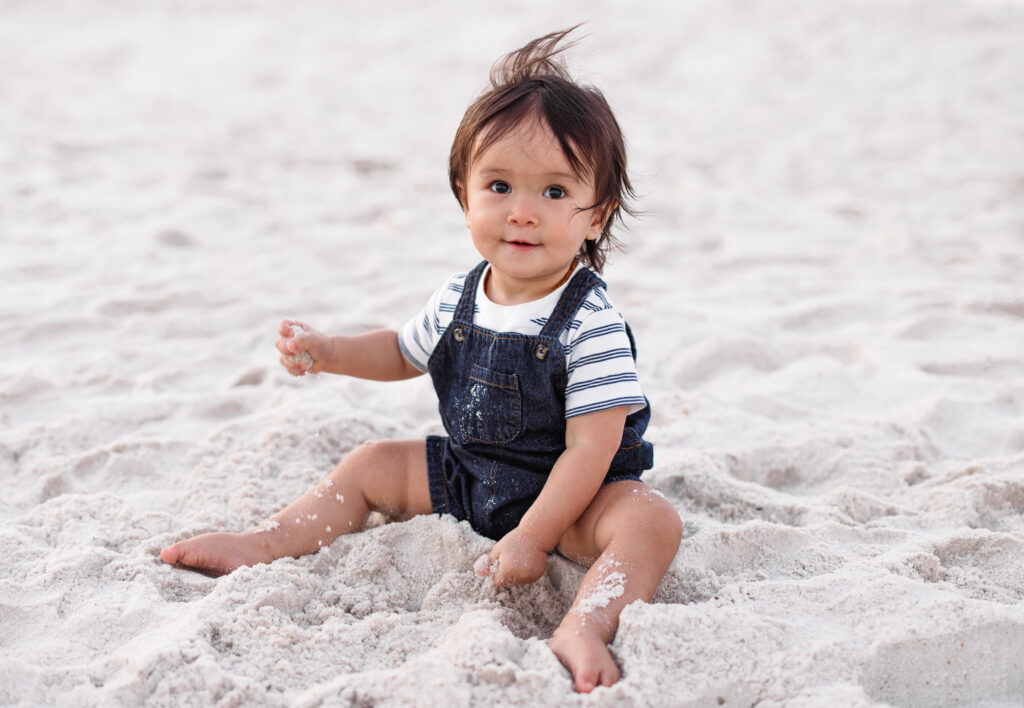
<point>600,218</point>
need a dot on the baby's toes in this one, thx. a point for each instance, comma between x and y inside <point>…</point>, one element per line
<point>171,554</point>
<point>210,554</point>
<point>590,676</point>
<point>586,680</point>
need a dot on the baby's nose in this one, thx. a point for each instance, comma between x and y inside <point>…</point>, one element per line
<point>522,212</point>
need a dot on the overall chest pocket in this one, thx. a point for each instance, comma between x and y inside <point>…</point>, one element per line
<point>489,409</point>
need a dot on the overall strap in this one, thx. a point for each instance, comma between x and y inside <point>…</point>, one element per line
<point>573,296</point>
<point>464,310</point>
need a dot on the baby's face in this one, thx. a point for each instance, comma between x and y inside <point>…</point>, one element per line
<point>523,207</point>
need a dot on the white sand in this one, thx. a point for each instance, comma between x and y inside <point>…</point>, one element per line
<point>828,289</point>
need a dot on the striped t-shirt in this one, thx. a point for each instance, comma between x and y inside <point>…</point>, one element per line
<point>601,373</point>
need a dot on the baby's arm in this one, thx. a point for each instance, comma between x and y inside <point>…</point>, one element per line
<point>591,442</point>
<point>372,355</point>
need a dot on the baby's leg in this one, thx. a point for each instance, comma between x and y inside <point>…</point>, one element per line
<point>389,476</point>
<point>630,534</point>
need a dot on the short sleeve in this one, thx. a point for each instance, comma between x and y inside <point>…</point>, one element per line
<point>600,367</point>
<point>423,331</point>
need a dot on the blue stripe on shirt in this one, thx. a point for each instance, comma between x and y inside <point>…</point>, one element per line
<point>599,357</point>
<point>410,356</point>
<point>605,405</point>
<point>601,381</point>
<point>593,306</point>
<point>417,339</point>
<point>599,332</point>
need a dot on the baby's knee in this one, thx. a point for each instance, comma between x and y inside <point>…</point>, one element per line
<point>369,451</point>
<point>370,448</point>
<point>359,461</point>
<point>664,524</point>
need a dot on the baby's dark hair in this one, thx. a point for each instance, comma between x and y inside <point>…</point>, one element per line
<point>533,83</point>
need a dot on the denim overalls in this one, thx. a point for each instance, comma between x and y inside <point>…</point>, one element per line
<point>502,400</point>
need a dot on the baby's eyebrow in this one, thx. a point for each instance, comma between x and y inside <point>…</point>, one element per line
<point>494,172</point>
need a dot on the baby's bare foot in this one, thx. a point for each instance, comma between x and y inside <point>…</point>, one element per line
<point>586,656</point>
<point>219,553</point>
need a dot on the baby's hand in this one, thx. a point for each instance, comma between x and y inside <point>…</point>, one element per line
<point>303,349</point>
<point>516,558</point>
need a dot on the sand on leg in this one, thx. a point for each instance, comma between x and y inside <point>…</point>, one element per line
<point>628,535</point>
<point>386,476</point>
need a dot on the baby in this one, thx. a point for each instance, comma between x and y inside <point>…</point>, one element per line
<point>534,370</point>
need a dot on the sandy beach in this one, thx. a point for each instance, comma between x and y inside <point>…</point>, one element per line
<point>826,284</point>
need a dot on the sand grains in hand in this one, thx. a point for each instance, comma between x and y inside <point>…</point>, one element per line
<point>301,359</point>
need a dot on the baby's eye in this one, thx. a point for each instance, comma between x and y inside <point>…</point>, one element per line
<point>554,192</point>
<point>500,187</point>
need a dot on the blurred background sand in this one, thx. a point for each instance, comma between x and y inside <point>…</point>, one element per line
<point>827,287</point>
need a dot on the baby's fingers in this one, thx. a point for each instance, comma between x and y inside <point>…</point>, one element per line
<point>293,366</point>
<point>504,574</point>
<point>484,566</point>
<point>285,328</point>
<point>285,334</point>
<point>290,347</point>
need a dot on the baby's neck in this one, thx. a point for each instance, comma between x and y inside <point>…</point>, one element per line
<point>502,294</point>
